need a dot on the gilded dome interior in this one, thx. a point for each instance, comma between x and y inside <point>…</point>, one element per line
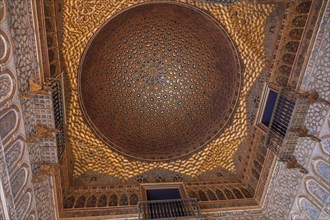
<point>159,80</point>
<point>69,154</point>
<point>92,156</point>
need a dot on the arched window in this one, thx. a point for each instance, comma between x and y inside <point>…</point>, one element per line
<point>284,69</point>
<point>238,194</point>
<point>80,202</point>
<point>246,193</point>
<point>211,195</point>
<point>229,194</point>
<point>69,202</point>
<point>113,200</point>
<point>220,194</point>
<point>202,195</point>
<point>251,189</point>
<point>262,149</point>
<point>294,34</point>
<point>257,166</point>
<point>133,199</point>
<point>299,21</point>
<point>102,201</point>
<point>192,194</point>
<point>91,201</point>
<point>255,174</point>
<point>260,158</point>
<point>123,200</point>
<point>303,8</point>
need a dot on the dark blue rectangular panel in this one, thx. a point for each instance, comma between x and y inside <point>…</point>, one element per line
<point>269,108</point>
<point>163,194</point>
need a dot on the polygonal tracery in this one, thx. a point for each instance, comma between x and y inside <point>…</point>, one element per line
<point>159,81</point>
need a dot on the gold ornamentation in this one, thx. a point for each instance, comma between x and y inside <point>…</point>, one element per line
<point>292,163</point>
<point>164,90</point>
<point>26,95</point>
<point>41,132</point>
<point>31,140</point>
<point>42,129</point>
<point>249,39</point>
<point>40,135</point>
<point>45,170</point>
<point>36,88</point>
<point>303,132</point>
<point>313,97</point>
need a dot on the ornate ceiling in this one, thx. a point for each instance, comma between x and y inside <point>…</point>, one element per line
<point>159,81</point>
<point>82,19</point>
<point>264,190</point>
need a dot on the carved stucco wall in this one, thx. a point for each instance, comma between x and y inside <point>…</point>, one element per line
<point>287,186</point>
<point>313,198</point>
<point>18,160</point>
<point>17,197</point>
<point>44,200</point>
<point>292,195</point>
